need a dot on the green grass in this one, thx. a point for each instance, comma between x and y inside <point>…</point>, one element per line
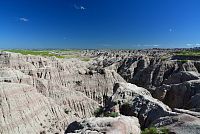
<point>71,56</point>
<point>153,130</point>
<point>35,52</point>
<point>100,112</point>
<point>68,54</point>
<point>182,61</point>
<point>85,59</point>
<point>163,58</point>
<point>189,53</point>
<point>111,114</point>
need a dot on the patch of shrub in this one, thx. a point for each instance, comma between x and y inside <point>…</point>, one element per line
<point>111,114</point>
<point>182,61</point>
<point>153,130</point>
<point>126,109</point>
<point>100,112</point>
<point>85,59</point>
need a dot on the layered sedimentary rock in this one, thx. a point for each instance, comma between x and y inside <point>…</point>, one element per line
<point>72,101</point>
<point>75,89</point>
<point>180,95</point>
<point>72,73</point>
<point>181,77</point>
<point>137,101</point>
<point>24,110</point>
<point>150,72</point>
<point>180,124</point>
<point>50,95</point>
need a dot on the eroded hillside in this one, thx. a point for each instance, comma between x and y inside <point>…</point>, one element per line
<point>105,94</point>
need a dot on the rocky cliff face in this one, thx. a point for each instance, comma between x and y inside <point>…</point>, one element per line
<point>150,72</point>
<point>49,95</point>
<point>24,110</point>
<point>76,74</point>
<point>180,124</point>
<point>138,102</point>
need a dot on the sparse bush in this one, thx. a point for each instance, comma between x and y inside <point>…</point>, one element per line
<point>126,109</point>
<point>35,52</point>
<point>111,114</point>
<point>188,53</point>
<point>182,61</point>
<point>85,59</point>
<point>100,112</point>
<point>153,130</point>
<point>163,58</point>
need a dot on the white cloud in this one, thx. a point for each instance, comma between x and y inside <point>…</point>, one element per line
<point>147,45</point>
<point>189,44</point>
<point>193,45</point>
<point>79,7</point>
<point>24,19</point>
<point>82,8</point>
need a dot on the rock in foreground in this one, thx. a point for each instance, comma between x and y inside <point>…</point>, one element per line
<point>180,124</point>
<point>137,101</point>
<point>108,125</point>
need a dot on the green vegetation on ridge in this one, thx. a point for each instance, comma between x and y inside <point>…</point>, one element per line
<point>35,52</point>
<point>100,112</point>
<point>189,53</point>
<point>154,130</point>
<point>63,53</point>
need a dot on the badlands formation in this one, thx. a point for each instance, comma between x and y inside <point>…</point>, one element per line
<point>115,92</point>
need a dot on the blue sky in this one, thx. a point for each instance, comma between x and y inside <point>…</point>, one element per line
<point>99,23</point>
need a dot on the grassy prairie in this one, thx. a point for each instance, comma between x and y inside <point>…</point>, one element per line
<point>63,53</point>
<point>35,52</point>
<point>189,53</point>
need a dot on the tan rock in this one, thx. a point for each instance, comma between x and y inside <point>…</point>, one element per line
<point>108,125</point>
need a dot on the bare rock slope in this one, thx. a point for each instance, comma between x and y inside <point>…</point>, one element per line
<point>108,125</point>
<point>44,95</point>
<point>24,110</point>
<point>50,95</point>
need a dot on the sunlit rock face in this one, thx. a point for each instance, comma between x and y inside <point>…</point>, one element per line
<point>44,95</point>
<point>139,88</point>
<point>24,110</point>
<point>137,101</point>
<point>108,125</point>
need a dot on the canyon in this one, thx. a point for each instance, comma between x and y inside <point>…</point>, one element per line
<point>114,92</point>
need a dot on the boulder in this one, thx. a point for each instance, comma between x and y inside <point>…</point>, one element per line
<point>194,102</point>
<point>137,101</point>
<point>108,125</point>
<point>180,95</point>
<point>183,111</point>
<point>181,77</point>
<point>179,124</point>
